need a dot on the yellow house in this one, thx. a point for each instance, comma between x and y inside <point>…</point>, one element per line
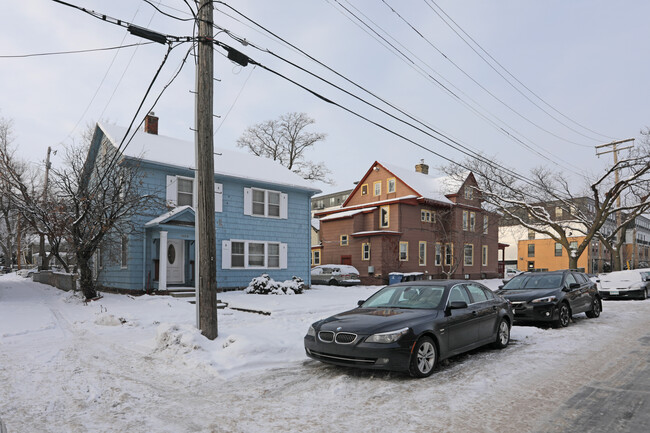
<point>546,254</point>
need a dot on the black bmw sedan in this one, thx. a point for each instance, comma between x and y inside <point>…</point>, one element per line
<point>411,326</point>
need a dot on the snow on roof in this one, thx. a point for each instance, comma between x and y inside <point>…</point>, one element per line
<point>315,223</point>
<point>180,153</point>
<point>427,186</point>
<point>168,215</point>
<point>346,214</point>
<point>377,232</point>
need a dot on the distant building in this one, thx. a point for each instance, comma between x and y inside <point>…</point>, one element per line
<point>404,221</point>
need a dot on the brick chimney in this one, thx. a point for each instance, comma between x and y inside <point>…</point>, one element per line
<point>151,124</point>
<point>422,167</point>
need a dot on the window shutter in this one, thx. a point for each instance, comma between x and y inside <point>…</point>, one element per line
<point>172,191</point>
<point>283,256</point>
<point>284,206</point>
<point>225,254</point>
<point>218,197</point>
<point>248,201</point>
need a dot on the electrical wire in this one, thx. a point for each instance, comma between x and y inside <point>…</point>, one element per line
<point>377,124</point>
<point>223,120</point>
<point>461,70</point>
<point>122,23</point>
<point>509,73</point>
<point>455,96</point>
<point>90,50</point>
<point>476,154</point>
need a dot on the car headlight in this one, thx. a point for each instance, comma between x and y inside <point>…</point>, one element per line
<point>387,337</point>
<point>311,331</point>
<point>544,300</point>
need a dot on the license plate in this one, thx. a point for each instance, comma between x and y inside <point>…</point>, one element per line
<point>613,292</point>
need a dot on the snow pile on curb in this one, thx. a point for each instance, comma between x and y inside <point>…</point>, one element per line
<point>265,285</point>
<point>177,338</point>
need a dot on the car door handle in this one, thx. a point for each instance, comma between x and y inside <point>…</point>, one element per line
<point>494,307</point>
<point>474,313</point>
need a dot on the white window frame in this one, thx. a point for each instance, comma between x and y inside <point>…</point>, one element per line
<point>391,185</point>
<point>226,254</point>
<point>471,257</point>
<point>365,251</point>
<point>472,221</point>
<point>438,255</point>
<point>376,187</point>
<point>465,220</point>
<point>422,253</point>
<point>248,203</point>
<point>404,244</point>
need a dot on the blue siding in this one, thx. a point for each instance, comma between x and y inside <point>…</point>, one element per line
<point>230,224</point>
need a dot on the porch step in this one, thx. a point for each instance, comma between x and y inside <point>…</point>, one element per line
<point>181,292</point>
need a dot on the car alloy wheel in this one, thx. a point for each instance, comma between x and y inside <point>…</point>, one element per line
<point>424,358</point>
<point>564,316</point>
<point>595,309</point>
<point>503,335</point>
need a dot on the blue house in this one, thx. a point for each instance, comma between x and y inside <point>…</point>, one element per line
<point>262,216</point>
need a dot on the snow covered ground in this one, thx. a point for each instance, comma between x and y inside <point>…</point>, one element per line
<point>137,364</point>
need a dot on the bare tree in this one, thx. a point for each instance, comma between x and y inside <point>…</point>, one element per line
<point>100,196</point>
<point>285,140</point>
<point>533,202</point>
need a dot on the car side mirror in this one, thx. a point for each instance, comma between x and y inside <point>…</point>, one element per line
<point>598,281</point>
<point>501,286</point>
<point>360,302</point>
<point>457,305</point>
<point>574,286</point>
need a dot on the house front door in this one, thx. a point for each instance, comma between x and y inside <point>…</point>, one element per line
<point>175,261</point>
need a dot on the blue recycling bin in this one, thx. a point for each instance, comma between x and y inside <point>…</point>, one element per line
<point>394,278</point>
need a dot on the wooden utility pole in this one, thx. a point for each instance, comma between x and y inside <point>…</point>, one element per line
<point>615,151</point>
<point>205,242</point>
<point>44,265</point>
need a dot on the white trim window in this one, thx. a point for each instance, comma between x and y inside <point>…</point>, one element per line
<point>265,203</point>
<point>438,255</point>
<point>245,254</point>
<point>468,255</point>
<point>180,192</point>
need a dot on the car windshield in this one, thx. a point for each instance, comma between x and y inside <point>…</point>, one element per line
<point>532,281</point>
<point>406,297</point>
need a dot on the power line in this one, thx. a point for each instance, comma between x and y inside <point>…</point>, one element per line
<point>446,57</point>
<point>234,54</point>
<point>90,50</point>
<point>245,42</point>
<point>223,120</point>
<point>509,73</point>
<point>455,96</point>
<point>132,28</point>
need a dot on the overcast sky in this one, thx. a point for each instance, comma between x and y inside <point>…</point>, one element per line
<point>586,59</point>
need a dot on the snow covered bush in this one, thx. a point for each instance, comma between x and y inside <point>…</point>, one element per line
<point>265,285</point>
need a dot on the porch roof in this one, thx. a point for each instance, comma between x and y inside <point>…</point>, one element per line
<point>170,216</point>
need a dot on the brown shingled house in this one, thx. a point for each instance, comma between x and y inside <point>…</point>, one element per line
<point>405,221</point>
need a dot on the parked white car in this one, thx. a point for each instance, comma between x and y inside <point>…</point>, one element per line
<point>509,273</point>
<point>335,275</point>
